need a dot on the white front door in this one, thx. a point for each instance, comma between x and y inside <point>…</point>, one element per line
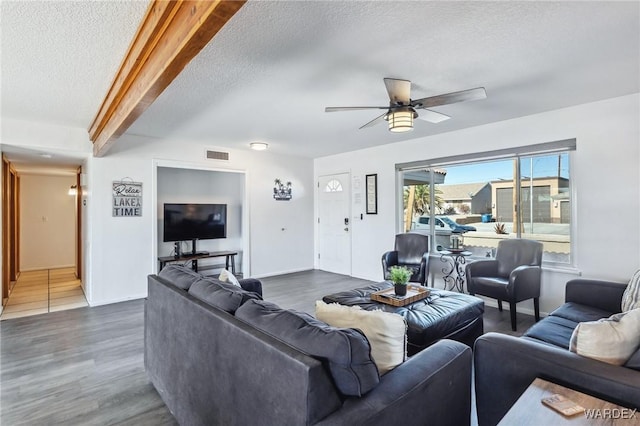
<point>334,223</point>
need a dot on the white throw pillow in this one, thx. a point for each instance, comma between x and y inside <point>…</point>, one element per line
<point>631,296</point>
<point>386,331</point>
<point>226,276</point>
<point>612,340</point>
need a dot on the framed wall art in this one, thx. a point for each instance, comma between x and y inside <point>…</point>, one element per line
<point>372,193</point>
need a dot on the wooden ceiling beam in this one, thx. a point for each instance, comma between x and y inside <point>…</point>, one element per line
<point>170,35</point>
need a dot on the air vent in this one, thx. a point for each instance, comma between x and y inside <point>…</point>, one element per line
<point>217,155</point>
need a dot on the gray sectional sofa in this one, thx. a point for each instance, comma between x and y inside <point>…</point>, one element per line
<point>219,355</point>
<point>505,365</point>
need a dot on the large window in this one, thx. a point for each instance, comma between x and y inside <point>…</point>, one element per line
<point>518,195</point>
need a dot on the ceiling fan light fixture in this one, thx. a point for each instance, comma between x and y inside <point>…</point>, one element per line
<point>259,146</point>
<point>402,109</point>
<point>400,120</point>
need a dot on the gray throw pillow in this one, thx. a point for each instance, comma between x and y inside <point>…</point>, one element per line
<point>180,276</point>
<point>221,295</point>
<point>346,352</point>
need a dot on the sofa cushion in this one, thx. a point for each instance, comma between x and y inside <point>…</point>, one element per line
<point>612,340</point>
<point>227,277</point>
<point>553,330</point>
<point>346,352</point>
<point>221,295</point>
<point>495,287</point>
<point>180,276</point>
<point>631,296</point>
<point>251,284</point>
<point>634,361</point>
<point>385,331</point>
<point>580,313</point>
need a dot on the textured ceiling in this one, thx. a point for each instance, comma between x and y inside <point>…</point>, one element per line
<point>60,57</point>
<point>271,71</point>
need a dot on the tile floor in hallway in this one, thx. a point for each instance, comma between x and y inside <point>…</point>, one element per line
<point>47,290</point>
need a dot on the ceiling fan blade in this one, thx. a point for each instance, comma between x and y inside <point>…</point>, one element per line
<point>334,109</point>
<point>375,121</point>
<point>450,98</point>
<point>432,116</point>
<point>399,90</point>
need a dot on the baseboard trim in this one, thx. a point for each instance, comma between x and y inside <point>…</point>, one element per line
<point>505,305</point>
<point>112,301</point>
<point>273,274</point>
<point>40,268</point>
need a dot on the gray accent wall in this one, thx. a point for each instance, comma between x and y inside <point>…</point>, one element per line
<point>177,185</point>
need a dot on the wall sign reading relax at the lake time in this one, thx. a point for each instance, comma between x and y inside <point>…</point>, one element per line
<point>127,198</point>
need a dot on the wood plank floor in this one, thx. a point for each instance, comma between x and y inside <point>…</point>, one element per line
<point>85,366</point>
<point>300,291</point>
<point>42,291</point>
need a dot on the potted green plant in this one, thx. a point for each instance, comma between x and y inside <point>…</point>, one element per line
<point>400,276</point>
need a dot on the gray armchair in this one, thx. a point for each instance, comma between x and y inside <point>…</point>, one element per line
<point>513,276</point>
<point>412,251</point>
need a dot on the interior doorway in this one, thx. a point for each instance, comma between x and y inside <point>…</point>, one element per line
<point>334,226</point>
<point>10,226</point>
<point>41,224</point>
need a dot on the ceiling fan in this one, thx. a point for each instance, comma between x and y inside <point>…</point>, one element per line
<point>402,109</point>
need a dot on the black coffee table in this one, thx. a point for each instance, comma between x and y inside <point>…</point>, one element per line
<point>442,315</point>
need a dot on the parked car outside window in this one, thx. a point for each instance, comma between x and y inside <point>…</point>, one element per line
<point>441,222</point>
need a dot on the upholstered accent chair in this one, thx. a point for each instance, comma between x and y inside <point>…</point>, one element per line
<point>411,250</point>
<point>513,276</point>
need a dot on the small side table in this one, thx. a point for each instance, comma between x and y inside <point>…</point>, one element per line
<point>454,269</point>
<point>529,410</point>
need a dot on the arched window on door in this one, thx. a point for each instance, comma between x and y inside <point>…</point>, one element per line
<point>333,185</point>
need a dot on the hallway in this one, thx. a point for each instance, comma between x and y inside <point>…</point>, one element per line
<point>47,290</point>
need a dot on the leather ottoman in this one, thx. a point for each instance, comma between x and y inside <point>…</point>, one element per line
<point>442,315</point>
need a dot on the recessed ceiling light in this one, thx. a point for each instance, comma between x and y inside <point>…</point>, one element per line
<point>46,155</point>
<point>259,146</point>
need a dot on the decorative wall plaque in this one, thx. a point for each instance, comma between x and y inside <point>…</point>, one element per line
<point>372,193</point>
<point>127,198</point>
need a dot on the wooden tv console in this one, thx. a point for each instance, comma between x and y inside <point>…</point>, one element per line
<point>228,255</point>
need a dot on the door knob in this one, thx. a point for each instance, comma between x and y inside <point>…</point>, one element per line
<point>346,229</point>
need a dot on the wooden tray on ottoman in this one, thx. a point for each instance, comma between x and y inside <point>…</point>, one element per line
<point>388,295</point>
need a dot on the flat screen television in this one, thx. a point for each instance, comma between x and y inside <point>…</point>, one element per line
<point>194,222</point>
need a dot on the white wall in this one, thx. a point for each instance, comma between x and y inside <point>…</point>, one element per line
<point>47,222</point>
<point>605,175</point>
<point>1,235</point>
<point>203,186</point>
<point>45,136</point>
<point>86,235</point>
<point>124,250</point>
<point>121,252</point>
